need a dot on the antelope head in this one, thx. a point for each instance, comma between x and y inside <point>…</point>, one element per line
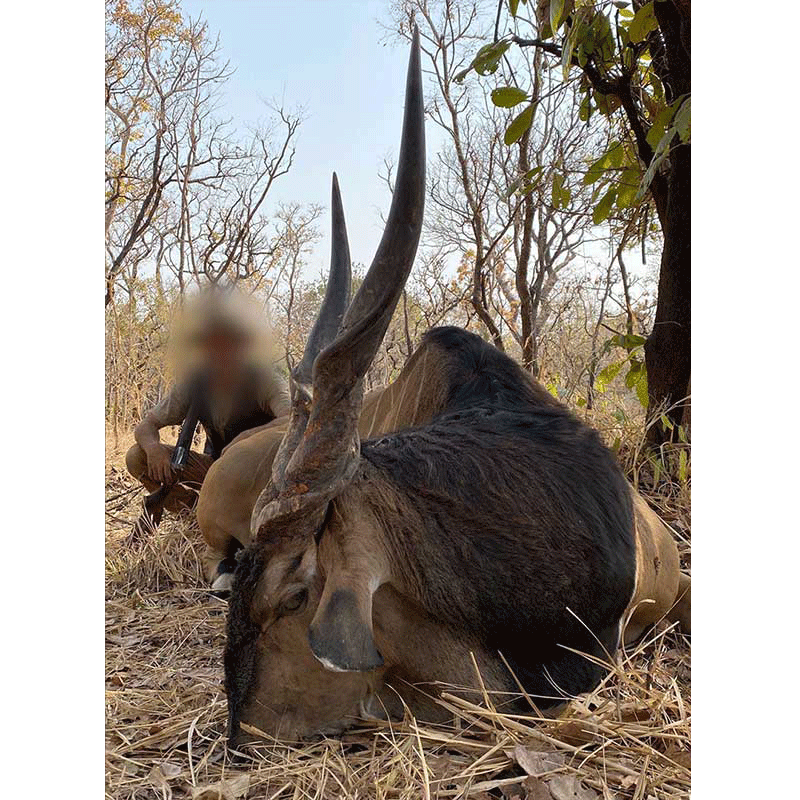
<point>286,607</point>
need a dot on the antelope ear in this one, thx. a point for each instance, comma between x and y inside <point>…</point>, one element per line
<point>340,634</point>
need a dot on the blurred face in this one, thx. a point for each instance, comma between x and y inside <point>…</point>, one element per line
<point>223,354</point>
<point>274,683</point>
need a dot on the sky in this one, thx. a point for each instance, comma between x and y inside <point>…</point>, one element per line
<point>333,59</point>
<point>336,60</point>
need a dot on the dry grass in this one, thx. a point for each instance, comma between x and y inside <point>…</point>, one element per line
<point>165,707</point>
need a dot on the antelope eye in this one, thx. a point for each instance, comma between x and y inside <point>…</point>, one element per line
<point>295,603</point>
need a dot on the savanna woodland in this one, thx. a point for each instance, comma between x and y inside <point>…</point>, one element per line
<point>557,228</point>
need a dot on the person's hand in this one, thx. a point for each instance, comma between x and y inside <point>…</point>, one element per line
<point>158,466</point>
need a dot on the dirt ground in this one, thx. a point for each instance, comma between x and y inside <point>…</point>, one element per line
<point>165,706</point>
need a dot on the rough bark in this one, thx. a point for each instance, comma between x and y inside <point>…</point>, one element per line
<point>668,348</point>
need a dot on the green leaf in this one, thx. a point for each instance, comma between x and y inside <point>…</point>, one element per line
<point>659,126</point>
<point>658,87</point>
<point>513,5</point>
<point>587,42</point>
<point>561,195</point>
<point>605,45</point>
<point>607,104</point>
<point>582,56</point>
<point>643,22</point>
<point>615,155</point>
<point>566,54</point>
<point>656,462</point>
<point>683,120</point>
<point>508,96</point>
<point>595,171</point>
<point>683,466</point>
<point>603,208</point>
<point>585,111</point>
<point>628,187</point>
<point>607,375</point>
<point>662,151</point>
<point>637,379</point>
<point>576,39</point>
<point>641,389</point>
<point>633,373</point>
<point>667,422</point>
<point>611,158</point>
<point>526,182</point>
<point>488,57</point>
<point>627,341</point>
<point>557,8</point>
<point>519,125</point>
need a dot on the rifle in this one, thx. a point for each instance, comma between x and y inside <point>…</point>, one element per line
<point>179,456</point>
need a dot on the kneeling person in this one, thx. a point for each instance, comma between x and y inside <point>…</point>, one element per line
<point>226,372</point>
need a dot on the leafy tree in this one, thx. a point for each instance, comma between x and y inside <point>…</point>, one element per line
<point>508,200</point>
<point>632,62</point>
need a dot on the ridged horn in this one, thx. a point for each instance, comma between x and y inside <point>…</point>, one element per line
<point>320,450</point>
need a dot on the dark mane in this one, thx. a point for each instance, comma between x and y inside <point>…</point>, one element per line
<point>527,515</point>
<point>479,373</point>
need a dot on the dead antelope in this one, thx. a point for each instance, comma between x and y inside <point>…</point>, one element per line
<point>487,542</point>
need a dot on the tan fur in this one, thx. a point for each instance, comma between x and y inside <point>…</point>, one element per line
<point>296,696</point>
<point>658,577</point>
<point>235,481</point>
<point>681,611</point>
<point>231,488</point>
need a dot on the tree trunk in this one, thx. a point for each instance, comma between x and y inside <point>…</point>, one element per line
<point>521,276</point>
<point>668,348</point>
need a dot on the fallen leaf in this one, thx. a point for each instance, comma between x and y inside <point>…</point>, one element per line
<point>682,757</point>
<point>232,788</point>
<point>123,641</point>
<point>513,791</point>
<point>577,732</point>
<point>170,770</point>
<point>568,787</point>
<point>536,789</point>
<point>160,781</point>
<point>536,762</point>
<point>636,714</point>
